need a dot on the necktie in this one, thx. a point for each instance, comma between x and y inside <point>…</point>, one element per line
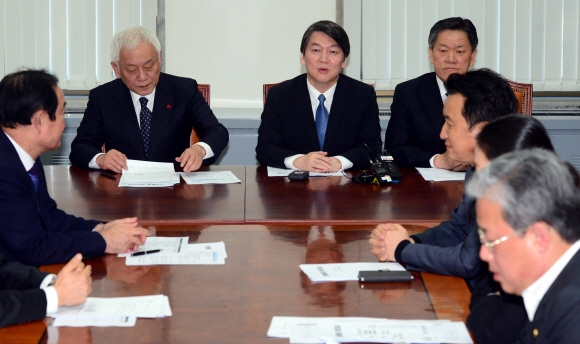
<point>33,173</point>
<point>321,120</point>
<point>145,119</point>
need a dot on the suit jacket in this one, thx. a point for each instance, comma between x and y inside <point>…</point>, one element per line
<point>20,297</point>
<point>288,126</point>
<point>557,317</point>
<point>110,119</point>
<point>412,135</point>
<point>33,230</point>
<point>452,248</point>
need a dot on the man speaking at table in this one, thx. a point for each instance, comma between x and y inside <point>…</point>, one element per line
<point>320,121</point>
<point>145,114</point>
<point>32,229</point>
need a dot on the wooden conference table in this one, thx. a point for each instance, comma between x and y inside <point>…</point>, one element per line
<point>269,226</point>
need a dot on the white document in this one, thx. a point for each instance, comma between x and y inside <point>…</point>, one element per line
<point>282,172</point>
<point>148,174</point>
<point>214,177</point>
<point>195,254</point>
<point>94,321</point>
<point>440,175</point>
<point>376,330</point>
<point>167,244</point>
<point>153,306</point>
<point>344,271</point>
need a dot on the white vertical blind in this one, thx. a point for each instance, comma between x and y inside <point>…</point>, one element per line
<point>530,41</point>
<point>70,38</point>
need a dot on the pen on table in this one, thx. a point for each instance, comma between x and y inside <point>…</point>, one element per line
<point>108,175</point>
<point>142,253</point>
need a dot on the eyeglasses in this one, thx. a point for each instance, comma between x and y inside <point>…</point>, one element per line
<point>491,244</point>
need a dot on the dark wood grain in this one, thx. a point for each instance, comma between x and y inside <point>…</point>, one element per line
<point>235,302</point>
<point>338,200</point>
<point>90,195</point>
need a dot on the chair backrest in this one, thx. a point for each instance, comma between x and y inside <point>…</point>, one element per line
<point>267,88</point>
<point>204,89</point>
<point>523,94</point>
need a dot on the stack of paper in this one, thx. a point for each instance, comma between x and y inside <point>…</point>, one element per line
<point>374,330</point>
<point>200,254</point>
<point>148,174</point>
<point>344,271</point>
<point>115,311</point>
<point>213,177</point>
<point>440,175</point>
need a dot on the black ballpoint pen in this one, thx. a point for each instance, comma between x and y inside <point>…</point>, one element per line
<point>108,175</point>
<point>142,253</point>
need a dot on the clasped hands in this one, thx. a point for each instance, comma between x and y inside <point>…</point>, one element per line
<point>444,162</point>
<point>385,238</point>
<point>317,162</point>
<point>190,160</point>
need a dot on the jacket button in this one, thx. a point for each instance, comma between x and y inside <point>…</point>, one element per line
<point>536,333</point>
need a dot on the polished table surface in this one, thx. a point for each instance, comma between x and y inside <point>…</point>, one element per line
<point>90,195</point>
<point>338,200</point>
<point>235,302</point>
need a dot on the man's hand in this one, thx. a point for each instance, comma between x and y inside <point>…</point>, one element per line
<point>122,235</point>
<point>191,158</point>
<point>73,282</point>
<point>112,160</point>
<point>444,162</point>
<point>385,238</point>
<point>317,162</point>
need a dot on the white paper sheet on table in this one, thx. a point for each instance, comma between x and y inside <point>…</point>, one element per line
<point>212,177</point>
<point>344,271</point>
<point>440,175</point>
<point>148,174</point>
<point>122,321</point>
<point>376,330</point>
<point>281,172</point>
<point>195,254</point>
<point>167,244</point>
<point>153,306</point>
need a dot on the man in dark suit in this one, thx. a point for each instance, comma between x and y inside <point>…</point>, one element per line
<point>145,114</point>
<point>32,229</point>
<point>413,133</point>
<point>27,294</point>
<point>320,121</point>
<point>451,248</point>
<point>528,211</point>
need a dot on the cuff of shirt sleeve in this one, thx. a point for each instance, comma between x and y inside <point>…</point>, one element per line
<point>289,161</point>
<point>208,150</point>
<point>93,162</point>
<point>346,164</point>
<point>51,294</point>
<point>432,160</point>
<point>399,250</point>
<point>416,239</point>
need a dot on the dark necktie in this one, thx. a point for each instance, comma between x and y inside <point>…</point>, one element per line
<point>321,120</point>
<point>33,173</point>
<point>145,119</point>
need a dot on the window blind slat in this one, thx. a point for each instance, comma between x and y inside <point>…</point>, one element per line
<point>104,34</point>
<point>2,33</point>
<point>571,41</point>
<point>13,41</point>
<point>28,29</point>
<point>42,36</point>
<point>58,41</point>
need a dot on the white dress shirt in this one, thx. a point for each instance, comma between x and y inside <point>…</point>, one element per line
<point>329,96</point>
<point>443,92</point>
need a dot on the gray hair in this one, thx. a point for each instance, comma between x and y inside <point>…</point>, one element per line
<point>532,186</point>
<point>131,37</point>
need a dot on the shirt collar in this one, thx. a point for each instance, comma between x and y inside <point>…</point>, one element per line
<point>442,89</point>
<point>150,98</point>
<point>534,294</point>
<point>314,94</point>
<point>26,159</point>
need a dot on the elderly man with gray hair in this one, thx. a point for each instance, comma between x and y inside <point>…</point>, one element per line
<point>528,211</point>
<point>145,114</point>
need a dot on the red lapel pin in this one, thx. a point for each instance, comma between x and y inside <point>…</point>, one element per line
<point>168,106</point>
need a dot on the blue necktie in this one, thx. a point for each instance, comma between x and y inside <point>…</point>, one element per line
<point>33,173</point>
<point>145,119</point>
<point>321,120</point>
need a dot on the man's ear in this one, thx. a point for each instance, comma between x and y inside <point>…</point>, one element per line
<point>539,236</point>
<point>476,129</point>
<point>116,69</point>
<point>37,120</point>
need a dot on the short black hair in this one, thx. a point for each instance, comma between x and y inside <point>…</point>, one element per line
<point>454,23</point>
<point>24,93</point>
<point>511,133</point>
<point>488,95</point>
<point>330,28</point>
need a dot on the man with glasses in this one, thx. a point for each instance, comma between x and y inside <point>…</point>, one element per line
<point>528,211</point>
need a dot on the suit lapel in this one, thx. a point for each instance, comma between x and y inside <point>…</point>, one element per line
<point>304,112</point>
<point>128,118</point>
<point>162,110</point>
<point>337,109</point>
<point>432,97</point>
